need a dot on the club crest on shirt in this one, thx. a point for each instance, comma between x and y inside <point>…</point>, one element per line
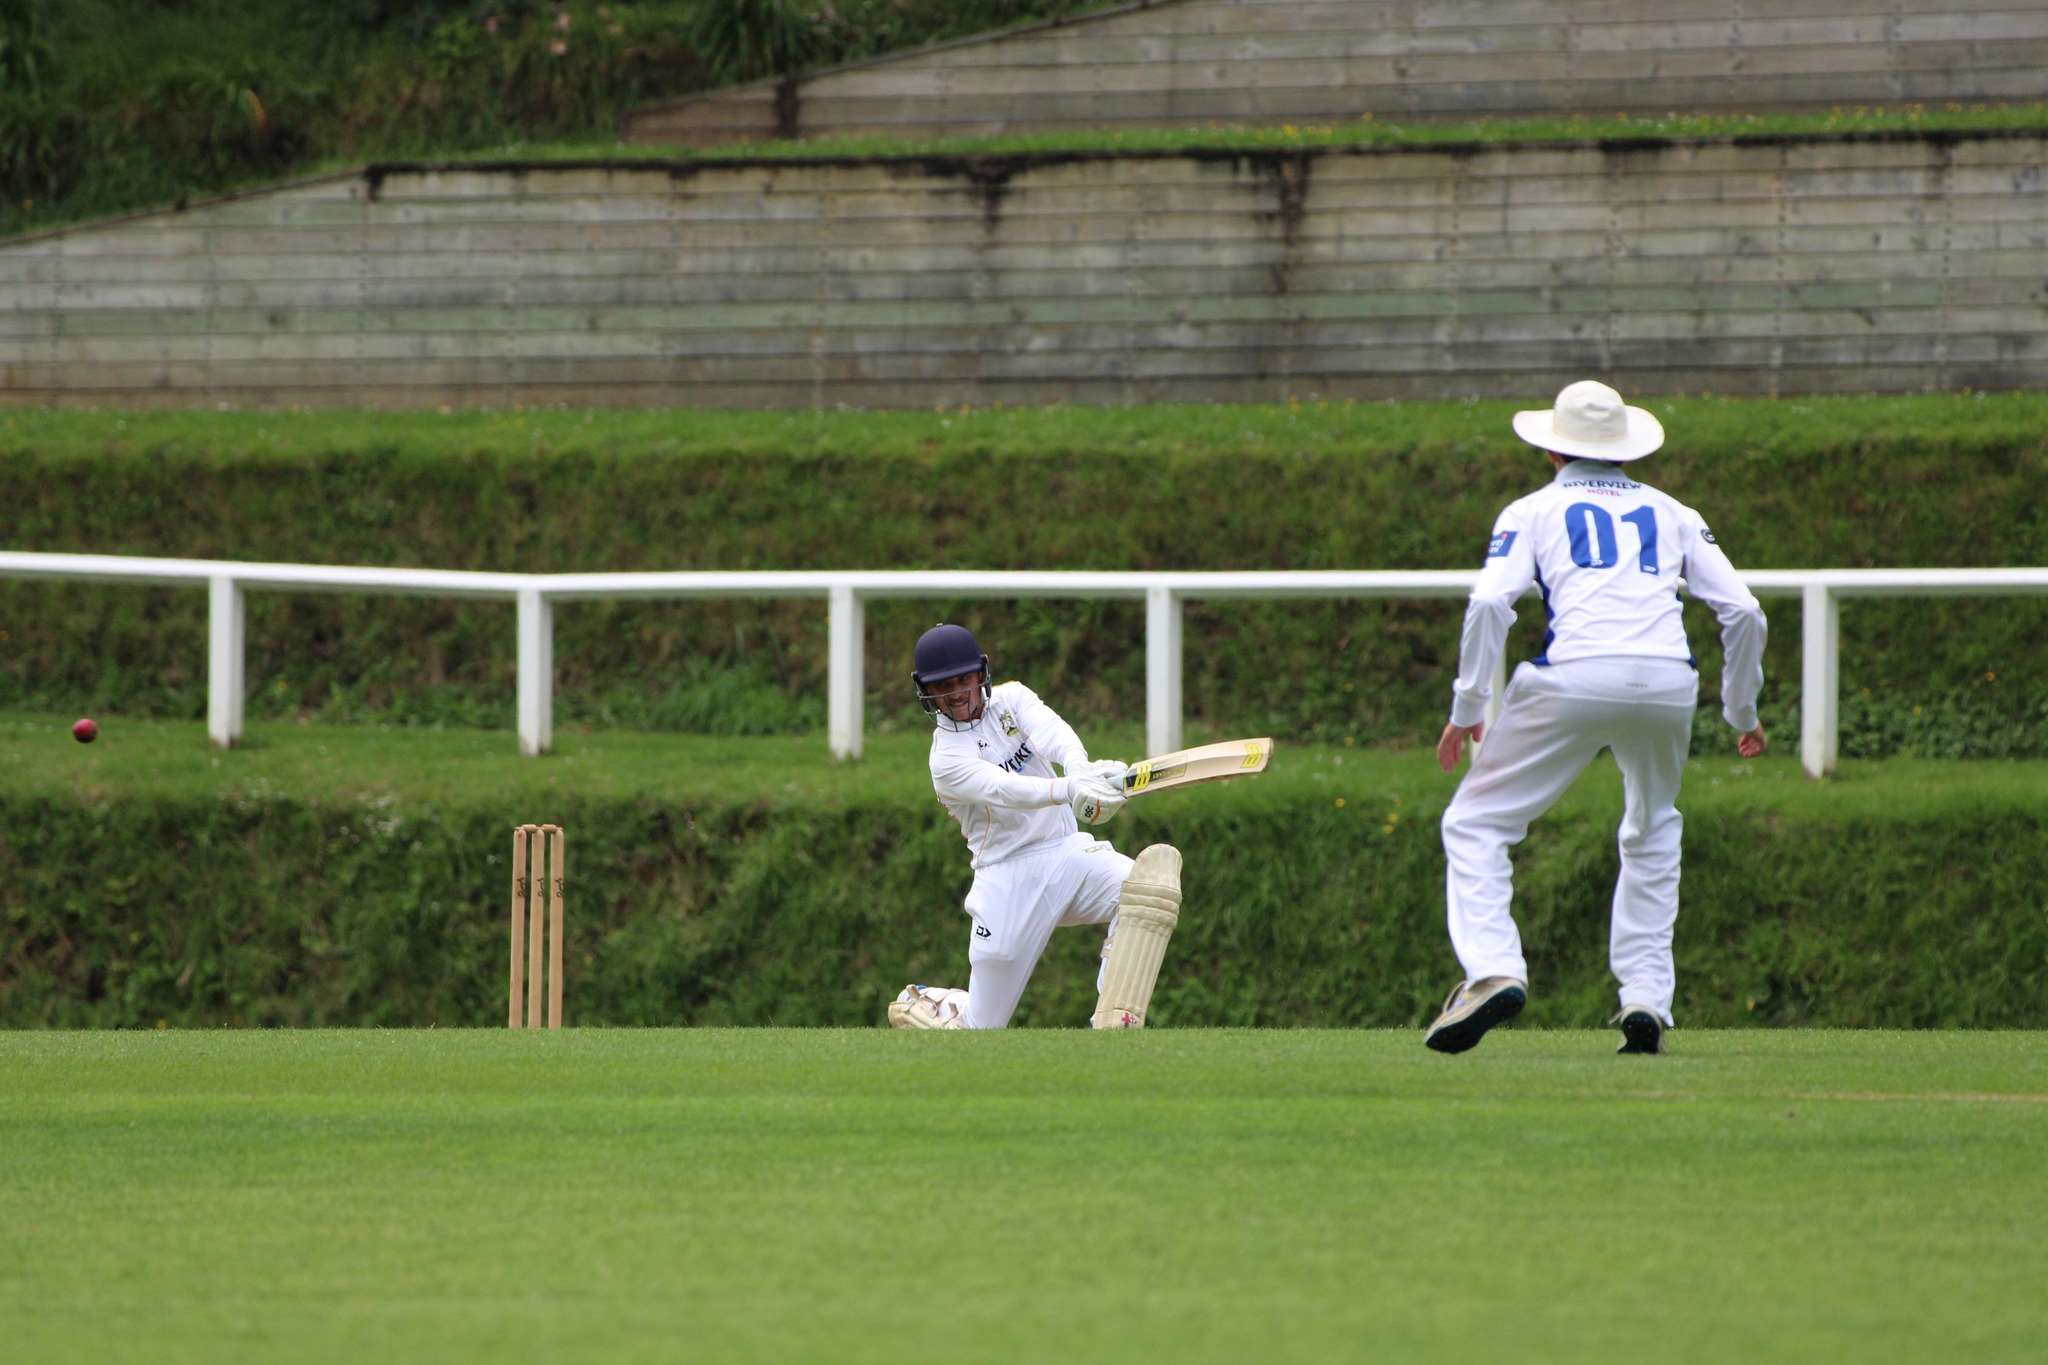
<point>1498,546</point>
<point>1009,722</point>
<point>1708,536</point>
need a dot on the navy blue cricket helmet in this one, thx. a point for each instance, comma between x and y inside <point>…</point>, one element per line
<point>945,651</point>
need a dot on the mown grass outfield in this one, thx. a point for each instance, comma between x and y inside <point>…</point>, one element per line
<point>859,1195</point>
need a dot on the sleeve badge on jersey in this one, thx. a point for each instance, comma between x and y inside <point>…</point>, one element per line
<point>1708,536</point>
<point>1498,546</point>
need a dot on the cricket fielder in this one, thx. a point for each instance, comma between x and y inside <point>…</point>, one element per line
<point>1615,672</point>
<point>992,757</point>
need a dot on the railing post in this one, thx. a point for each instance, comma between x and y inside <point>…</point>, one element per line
<point>226,617</point>
<point>536,673</point>
<point>1162,669</point>
<point>846,665</point>
<point>1819,678</point>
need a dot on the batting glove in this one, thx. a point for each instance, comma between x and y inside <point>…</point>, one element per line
<point>1096,800</point>
<point>1111,770</point>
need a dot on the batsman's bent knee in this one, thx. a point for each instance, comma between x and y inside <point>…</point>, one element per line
<point>1146,913</point>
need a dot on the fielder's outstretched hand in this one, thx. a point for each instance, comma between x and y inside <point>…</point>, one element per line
<point>1450,746</point>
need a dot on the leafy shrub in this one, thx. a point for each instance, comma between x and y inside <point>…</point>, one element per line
<point>156,103</point>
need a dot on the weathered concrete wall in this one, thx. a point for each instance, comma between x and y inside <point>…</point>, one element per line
<point>1182,62</point>
<point>1890,264</point>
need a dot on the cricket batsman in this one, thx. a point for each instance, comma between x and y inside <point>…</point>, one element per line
<point>1615,672</point>
<point>993,755</point>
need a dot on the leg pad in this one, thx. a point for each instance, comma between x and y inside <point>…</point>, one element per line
<point>1145,916</point>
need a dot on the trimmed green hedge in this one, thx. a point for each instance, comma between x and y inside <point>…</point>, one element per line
<point>255,909</point>
<point>1952,480</point>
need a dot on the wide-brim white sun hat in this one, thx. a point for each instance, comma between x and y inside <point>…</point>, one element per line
<point>1590,420</point>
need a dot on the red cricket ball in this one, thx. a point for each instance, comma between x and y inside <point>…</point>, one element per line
<point>85,731</point>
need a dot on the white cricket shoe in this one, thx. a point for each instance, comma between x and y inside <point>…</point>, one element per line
<point>928,1007</point>
<point>1474,1007</point>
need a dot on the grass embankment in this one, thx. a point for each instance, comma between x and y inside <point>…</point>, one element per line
<point>154,760</point>
<point>1857,122</point>
<point>828,1195</point>
<point>342,875</point>
<point>1882,482</point>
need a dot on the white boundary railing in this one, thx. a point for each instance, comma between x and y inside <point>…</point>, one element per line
<point>228,583</point>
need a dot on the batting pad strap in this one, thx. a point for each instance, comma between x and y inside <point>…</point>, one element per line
<point>1145,915</point>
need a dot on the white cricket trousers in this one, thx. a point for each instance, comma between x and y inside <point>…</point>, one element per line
<point>1554,721</point>
<point>1017,903</point>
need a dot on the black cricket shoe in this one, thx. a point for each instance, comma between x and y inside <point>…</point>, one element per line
<point>1472,1008</point>
<point>1641,1031</point>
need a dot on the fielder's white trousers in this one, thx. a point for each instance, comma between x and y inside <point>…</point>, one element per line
<point>1017,903</point>
<point>1554,721</point>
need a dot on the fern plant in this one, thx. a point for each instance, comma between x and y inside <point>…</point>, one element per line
<point>742,40</point>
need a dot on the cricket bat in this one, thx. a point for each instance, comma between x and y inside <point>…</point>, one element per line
<point>1209,763</point>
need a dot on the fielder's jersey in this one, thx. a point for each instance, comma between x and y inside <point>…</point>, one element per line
<point>996,776</point>
<point>1607,553</point>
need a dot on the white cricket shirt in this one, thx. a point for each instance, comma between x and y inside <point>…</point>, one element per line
<point>1607,553</point>
<point>996,777</point>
